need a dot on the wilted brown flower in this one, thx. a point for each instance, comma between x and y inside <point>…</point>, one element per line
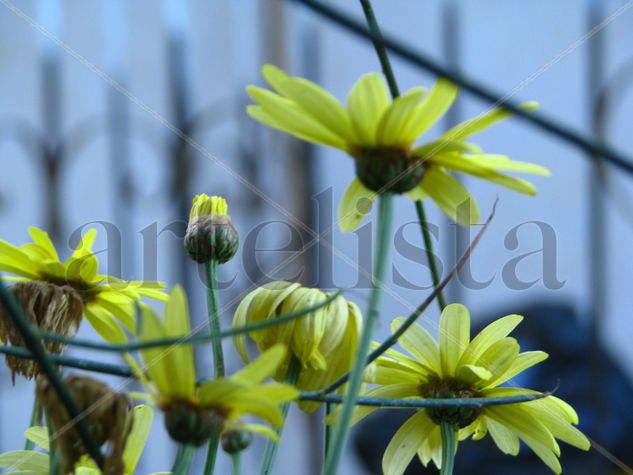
<point>50,308</point>
<point>105,412</point>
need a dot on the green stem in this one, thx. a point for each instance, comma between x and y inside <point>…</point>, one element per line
<point>448,448</point>
<point>183,460</point>
<point>294,368</point>
<point>236,459</point>
<point>36,417</point>
<point>211,269</point>
<point>430,255</point>
<point>212,452</point>
<point>329,408</point>
<point>382,252</point>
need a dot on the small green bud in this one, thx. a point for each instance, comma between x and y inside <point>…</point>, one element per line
<point>388,170</point>
<point>234,441</point>
<point>210,234</point>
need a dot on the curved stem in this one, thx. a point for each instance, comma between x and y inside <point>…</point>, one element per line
<point>382,252</point>
<point>211,269</point>
<point>183,460</point>
<point>448,448</point>
<point>294,368</point>
<point>430,255</point>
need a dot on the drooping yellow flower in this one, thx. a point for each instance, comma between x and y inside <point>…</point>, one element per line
<point>37,463</point>
<point>55,294</point>
<point>324,342</point>
<point>380,135</point>
<point>193,412</point>
<point>460,368</point>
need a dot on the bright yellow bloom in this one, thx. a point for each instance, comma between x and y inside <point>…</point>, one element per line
<point>104,298</point>
<point>37,463</point>
<point>204,205</point>
<point>191,411</point>
<point>380,135</point>
<point>324,342</point>
<point>460,368</point>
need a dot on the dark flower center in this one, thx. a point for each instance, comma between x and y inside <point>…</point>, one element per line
<point>450,388</point>
<point>389,169</point>
<point>189,423</point>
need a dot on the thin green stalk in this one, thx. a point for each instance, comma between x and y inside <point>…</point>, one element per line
<point>294,368</point>
<point>34,345</point>
<point>430,255</point>
<point>329,408</point>
<point>211,269</point>
<point>448,448</point>
<point>382,252</point>
<point>36,416</point>
<point>236,459</point>
<point>182,464</point>
<point>212,452</point>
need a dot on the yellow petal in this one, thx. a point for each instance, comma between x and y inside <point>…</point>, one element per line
<point>43,240</point>
<point>560,428</point>
<point>491,334</point>
<point>156,359</point>
<point>321,105</point>
<point>180,363</point>
<point>219,391</point>
<point>512,183</point>
<point>383,375</point>
<point>241,404</point>
<point>289,117</point>
<point>394,120</point>
<point>276,393</point>
<point>405,444</point>
<point>84,247</point>
<point>440,147</point>
<point>142,418</point>
<point>482,122</point>
<point>419,343</point>
<point>16,261</point>
<point>454,335</point>
<point>104,324</point>
<point>417,193</point>
<point>355,204</point>
<point>506,440</point>
<point>38,435</point>
<point>450,196</point>
<point>275,76</point>
<point>499,357</point>
<point>366,103</point>
<point>472,374</point>
<point>434,106</point>
<point>531,431</point>
<point>521,363</point>
<point>26,460</point>
<point>263,367</point>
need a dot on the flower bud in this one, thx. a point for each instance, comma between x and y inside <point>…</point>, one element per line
<point>51,308</point>
<point>190,424</point>
<point>388,170</point>
<point>234,441</point>
<point>324,342</point>
<point>210,234</point>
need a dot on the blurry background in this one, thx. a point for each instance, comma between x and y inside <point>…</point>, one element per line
<point>114,114</point>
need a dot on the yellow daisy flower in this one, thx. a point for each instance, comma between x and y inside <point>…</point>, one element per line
<point>460,368</point>
<point>380,135</point>
<point>37,463</point>
<point>324,342</point>
<point>55,294</point>
<point>193,412</point>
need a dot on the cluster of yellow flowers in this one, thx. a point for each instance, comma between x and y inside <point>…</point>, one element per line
<point>317,349</point>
